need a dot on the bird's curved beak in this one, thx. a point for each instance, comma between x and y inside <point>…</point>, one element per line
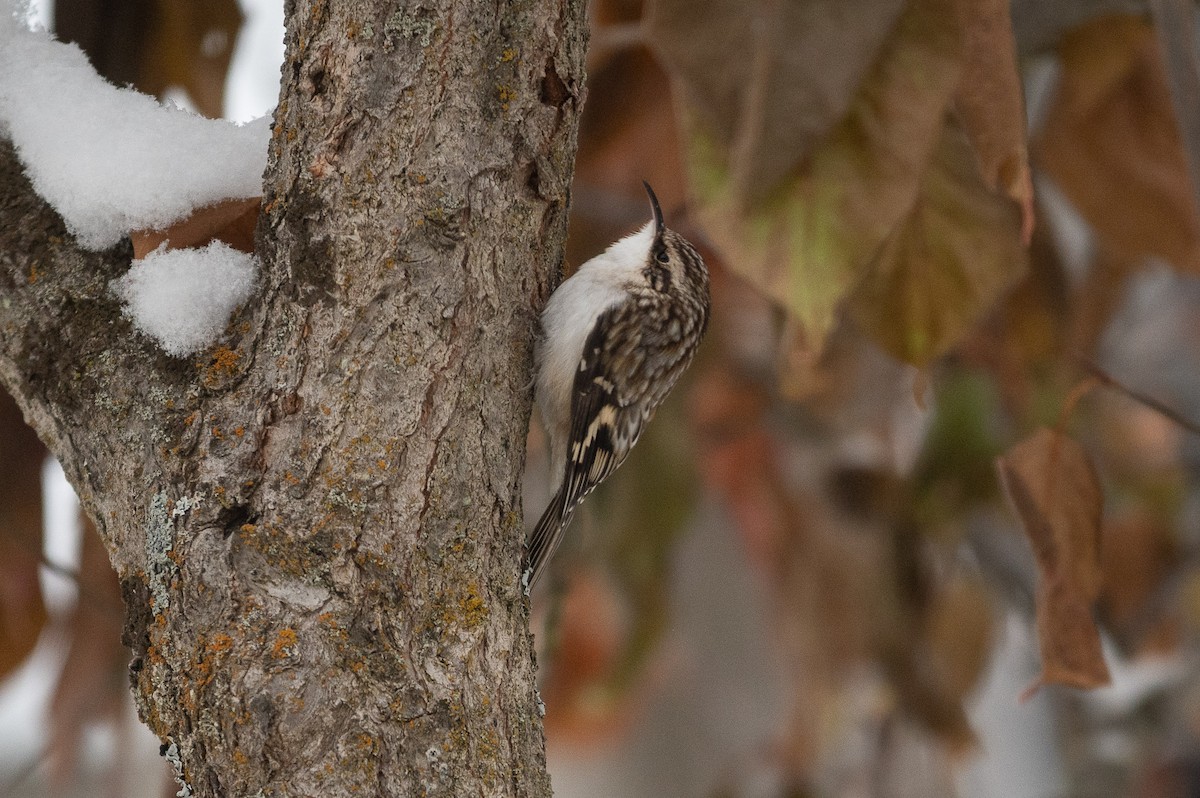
<point>658,216</point>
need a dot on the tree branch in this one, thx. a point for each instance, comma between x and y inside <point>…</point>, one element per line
<point>317,524</point>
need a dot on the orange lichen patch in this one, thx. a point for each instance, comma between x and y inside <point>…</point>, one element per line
<point>216,433</point>
<point>34,274</point>
<point>239,757</point>
<point>284,642</point>
<point>472,610</point>
<point>224,360</point>
<point>202,673</point>
<point>248,528</point>
<point>153,719</point>
<point>239,431</point>
<point>330,621</point>
<point>222,363</point>
<point>220,643</point>
<point>506,94</point>
<point>190,418</point>
<point>153,655</point>
<point>322,522</point>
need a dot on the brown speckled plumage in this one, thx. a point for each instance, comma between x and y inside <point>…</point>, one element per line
<point>642,339</point>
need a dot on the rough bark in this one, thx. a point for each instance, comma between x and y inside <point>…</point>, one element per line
<point>317,523</point>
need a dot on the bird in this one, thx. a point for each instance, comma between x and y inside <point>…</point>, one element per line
<point>615,337</point>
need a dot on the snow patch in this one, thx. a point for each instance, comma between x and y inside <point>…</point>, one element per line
<point>112,160</point>
<point>183,298</point>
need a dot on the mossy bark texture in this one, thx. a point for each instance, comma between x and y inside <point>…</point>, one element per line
<point>317,522</point>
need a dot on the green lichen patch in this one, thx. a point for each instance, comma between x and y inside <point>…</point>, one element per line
<point>160,540</point>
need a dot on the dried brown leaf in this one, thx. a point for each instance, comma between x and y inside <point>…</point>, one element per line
<point>1027,333</point>
<point>1035,313</point>
<point>1140,555</point>
<point>1050,481</point>
<point>950,259</point>
<point>769,79</point>
<point>933,643</point>
<point>191,45</point>
<point>22,612</point>
<point>806,243</point>
<point>232,221</point>
<point>990,103</point>
<point>959,633</point>
<point>1111,142</point>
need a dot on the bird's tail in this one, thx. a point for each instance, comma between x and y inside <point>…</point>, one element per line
<point>546,536</point>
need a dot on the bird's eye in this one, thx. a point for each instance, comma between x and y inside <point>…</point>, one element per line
<point>662,256</point>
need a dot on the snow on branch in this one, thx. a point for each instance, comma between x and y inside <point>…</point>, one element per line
<point>112,160</point>
<point>183,297</point>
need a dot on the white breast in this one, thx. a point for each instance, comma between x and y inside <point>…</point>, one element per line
<point>567,321</point>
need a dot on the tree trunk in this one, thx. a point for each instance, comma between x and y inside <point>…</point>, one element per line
<point>317,524</point>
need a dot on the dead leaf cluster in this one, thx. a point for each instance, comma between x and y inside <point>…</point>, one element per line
<point>861,178</point>
<point>886,161</point>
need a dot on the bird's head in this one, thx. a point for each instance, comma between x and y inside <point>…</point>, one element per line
<point>671,261</point>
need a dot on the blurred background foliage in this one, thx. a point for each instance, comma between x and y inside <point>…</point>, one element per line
<point>922,519</point>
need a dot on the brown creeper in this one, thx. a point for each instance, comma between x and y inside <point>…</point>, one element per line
<point>616,336</point>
